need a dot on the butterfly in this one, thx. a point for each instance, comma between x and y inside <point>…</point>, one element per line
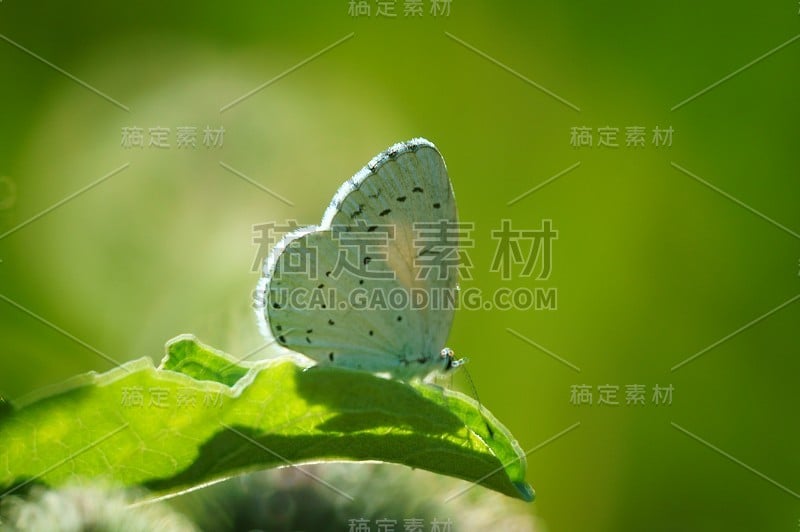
<point>334,291</point>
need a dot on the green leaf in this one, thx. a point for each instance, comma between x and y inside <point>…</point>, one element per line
<point>203,416</point>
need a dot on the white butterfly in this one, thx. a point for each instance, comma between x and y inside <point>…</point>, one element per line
<point>305,298</point>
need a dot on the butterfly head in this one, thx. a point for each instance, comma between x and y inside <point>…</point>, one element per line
<point>450,360</point>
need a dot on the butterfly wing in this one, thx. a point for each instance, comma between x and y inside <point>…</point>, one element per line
<point>334,292</point>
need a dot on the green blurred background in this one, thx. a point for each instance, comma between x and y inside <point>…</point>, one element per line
<point>651,266</point>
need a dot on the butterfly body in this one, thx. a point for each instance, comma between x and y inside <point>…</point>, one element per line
<point>319,297</point>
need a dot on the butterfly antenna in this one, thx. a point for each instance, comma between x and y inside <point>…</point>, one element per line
<point>478,399</point>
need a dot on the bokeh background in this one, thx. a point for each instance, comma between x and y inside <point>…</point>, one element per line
<point>651,265</point>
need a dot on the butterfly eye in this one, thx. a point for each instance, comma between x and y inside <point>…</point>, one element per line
<point>447,353</point>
